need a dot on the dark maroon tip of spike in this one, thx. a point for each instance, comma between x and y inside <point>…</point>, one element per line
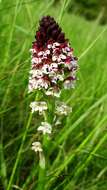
<point>61,37</point>
<point>49,30</point>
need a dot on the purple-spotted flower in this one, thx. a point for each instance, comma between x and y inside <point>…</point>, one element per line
<point>53,63</point>
<point>38,106</point>
<point>36,146</point>
<point>62,108</point>
<point>45,128</point>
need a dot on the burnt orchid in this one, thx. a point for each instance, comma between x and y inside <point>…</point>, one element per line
<point>53,68</point>
<point>53,64</point>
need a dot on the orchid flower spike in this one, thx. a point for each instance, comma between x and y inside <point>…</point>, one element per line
<point>53,63</point>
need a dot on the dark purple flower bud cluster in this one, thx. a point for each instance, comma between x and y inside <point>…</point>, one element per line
<point>49,29</point>
<point>53,64</point>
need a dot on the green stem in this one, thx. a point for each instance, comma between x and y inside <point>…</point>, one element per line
<point>42,170</point>
<point>45,116</point>
<point>41,178</point>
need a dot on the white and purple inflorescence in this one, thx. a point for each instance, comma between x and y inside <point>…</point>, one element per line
<point>53,64</point>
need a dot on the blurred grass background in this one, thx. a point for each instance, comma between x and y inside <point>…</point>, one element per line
<point>78,150</point>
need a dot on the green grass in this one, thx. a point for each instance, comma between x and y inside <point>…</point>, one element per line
<point>77,153</point>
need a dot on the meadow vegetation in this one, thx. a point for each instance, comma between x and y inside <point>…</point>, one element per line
<point>77,155</point>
